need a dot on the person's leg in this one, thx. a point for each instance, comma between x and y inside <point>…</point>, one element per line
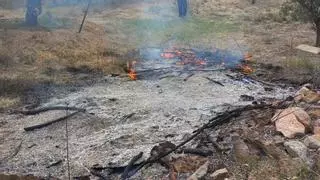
<point>180,7</point>
<point>185,7</point>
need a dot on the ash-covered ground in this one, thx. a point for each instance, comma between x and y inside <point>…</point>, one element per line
<point>123,118</point>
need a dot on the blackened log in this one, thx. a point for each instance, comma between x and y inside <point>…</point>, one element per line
<point>38,126</point>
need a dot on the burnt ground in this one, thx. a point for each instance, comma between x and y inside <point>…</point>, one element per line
<point>163,110</point>
<point>167,109</point>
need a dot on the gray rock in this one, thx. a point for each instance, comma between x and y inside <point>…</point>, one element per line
<point>220,174</point>
<point>312,142</point>
<point>200,173</point>
<point>297,149</point>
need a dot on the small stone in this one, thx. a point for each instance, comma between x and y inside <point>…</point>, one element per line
<point>314,112</point>
<point>307,95</point>
<point>312,142</point>
<point>241,150</point>
<point>278,140</point>
<point>246,98</point>
<point>268,89</point>
<point>166,114</point>
<point>200,173</point>
<point>297,149</point>
<point>220,174</point>
<point>316,127</point>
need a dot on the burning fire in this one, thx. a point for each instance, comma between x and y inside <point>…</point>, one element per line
<point>168,55</point>
<point>131,70</point>
<point>246,69</point>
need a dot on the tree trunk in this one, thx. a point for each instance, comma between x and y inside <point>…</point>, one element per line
<point>33,11</point>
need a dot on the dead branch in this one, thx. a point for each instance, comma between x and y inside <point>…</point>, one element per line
<point>216,121</point>
<point>125,117</point>
<point>84,16</point>
<point>54,163</point>
<point>130,165</point>
<point>189,76</point>
<point>264,82</point>
<point>38,126</point>
<point>44,109</point>
<point>98,174</point>
<point>214,81</point>
<point>15,152</point>
<point>199,152</point>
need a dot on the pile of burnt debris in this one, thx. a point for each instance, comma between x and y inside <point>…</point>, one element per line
<point>276,139</point>
<point>267,139</point>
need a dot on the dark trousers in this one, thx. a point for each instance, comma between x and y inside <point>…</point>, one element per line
<point>31,17</point>
<point>33,11</point>
<point>182,5</point>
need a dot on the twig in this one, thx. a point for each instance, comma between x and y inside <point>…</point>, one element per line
<point>67,143</point>
<point>130,165</point>
<point>95,173</point>
<point>38,126</point>
<point>166,76</point>
<point>54,164</point>
<point>189,76</point>
<point>199,152</point>
<point>15,152</point>
<point>44,109</point>
<point>264,82</point>
<point>115,169</point>
<point>125,117</point>
<point>214,81</point>
<point>218,120</point>
<point>85,16</point>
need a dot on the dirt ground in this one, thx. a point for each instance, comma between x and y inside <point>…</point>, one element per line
<point>53,65</point>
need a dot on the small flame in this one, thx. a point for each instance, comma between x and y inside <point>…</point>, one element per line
<point>200,62</point>
<point>131,70</point>
<point>246,69</point>
<point>133,75</point>
<point>168,55</point>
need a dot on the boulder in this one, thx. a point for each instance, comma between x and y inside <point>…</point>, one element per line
<point>220,174</point>
<point>312,142</point>
<point>200,173</point>
<point>297,149</point>
<point>301,115</point>
<point>289,126</point>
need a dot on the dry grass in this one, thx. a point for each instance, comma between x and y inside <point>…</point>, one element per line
<point>31,56</point>
<point>7,102</point>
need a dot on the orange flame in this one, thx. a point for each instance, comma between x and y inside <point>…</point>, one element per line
<point>133,75</point>
<point>131,70</point>
<point>246,69</point>
<point>168,55</point>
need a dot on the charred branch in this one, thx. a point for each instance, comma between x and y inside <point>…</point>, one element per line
<point>213,122</point>
<point>214,81</point>
<point>199,152</point>
<point>44,109</point>
<point>38,126</point>
<point>130,165</point>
